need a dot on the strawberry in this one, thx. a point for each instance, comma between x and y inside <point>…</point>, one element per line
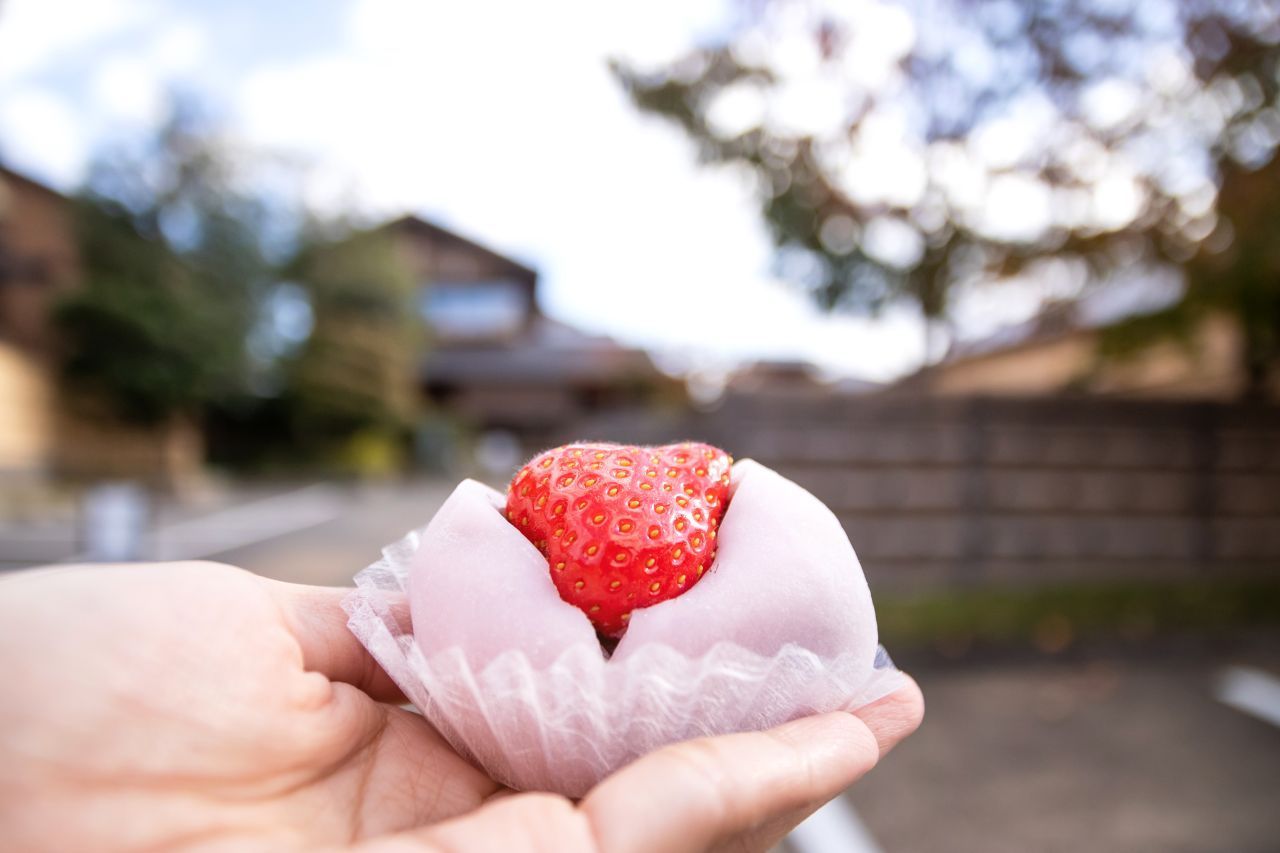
<point>622,526</point>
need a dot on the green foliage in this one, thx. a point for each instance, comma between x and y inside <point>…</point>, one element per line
<point>354,381</point>
<point>1011,617</point>
<point>1204,78</point>
<point>1242,278</point>
<point>174,313</point>
<point>172,266</point>
<point>1131,336</point>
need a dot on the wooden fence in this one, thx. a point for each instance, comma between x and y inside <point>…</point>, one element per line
<point>967,491</point>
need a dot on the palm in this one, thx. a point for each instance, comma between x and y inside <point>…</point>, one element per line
<point>195,705</point>
<point>239,734</point>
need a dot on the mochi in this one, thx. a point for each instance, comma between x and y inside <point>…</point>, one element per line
<point>515,678</point>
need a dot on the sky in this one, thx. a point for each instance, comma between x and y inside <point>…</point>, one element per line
<point>498,119</point>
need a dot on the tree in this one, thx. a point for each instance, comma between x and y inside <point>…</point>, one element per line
<point>903,151</point>
<point>173,266</point>
<point>187,267</point>
<point>353,384</point>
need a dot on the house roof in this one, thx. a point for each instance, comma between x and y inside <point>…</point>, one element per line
<point>9,176</point>
<point>1057,321</point>
<point>545,352</point>
<point>416,223</point>
<point>794,376</point>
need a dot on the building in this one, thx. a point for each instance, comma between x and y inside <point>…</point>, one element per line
<point>782,380</point>
<point>41,431</point>
<point>37,261</point>
<point>495,361</point>
<point>1058,351</point>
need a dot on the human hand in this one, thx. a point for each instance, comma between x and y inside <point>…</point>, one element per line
<point>197,706</point>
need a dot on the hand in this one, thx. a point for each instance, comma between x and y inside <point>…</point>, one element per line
<point>198,706</point>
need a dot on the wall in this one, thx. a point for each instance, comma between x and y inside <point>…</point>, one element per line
<point>92,445</point>
<point>25,414</point>
<point>969,490</point>
<point>36,227</point>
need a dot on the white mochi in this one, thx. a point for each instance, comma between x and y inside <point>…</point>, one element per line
<point>785,573</point>
<point>477,583</point>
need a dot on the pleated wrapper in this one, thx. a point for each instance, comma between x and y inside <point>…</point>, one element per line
<point>565,723</point>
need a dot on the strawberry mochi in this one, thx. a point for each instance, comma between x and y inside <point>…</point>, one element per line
<point>784,573</point>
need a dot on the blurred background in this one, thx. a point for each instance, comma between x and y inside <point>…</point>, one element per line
<point>999,281</point>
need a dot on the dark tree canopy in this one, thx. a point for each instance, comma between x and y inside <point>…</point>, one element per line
<point>903,150</point>
<point>173,266</point>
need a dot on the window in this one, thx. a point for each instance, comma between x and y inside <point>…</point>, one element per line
<point>474,309</point>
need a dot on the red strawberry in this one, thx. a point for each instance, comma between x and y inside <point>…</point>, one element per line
<point>622,527</point>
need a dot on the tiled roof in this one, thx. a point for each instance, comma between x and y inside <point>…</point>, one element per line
<point>546,352</point>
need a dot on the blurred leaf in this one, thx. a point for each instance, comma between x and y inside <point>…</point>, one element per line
<point>1084,105</point>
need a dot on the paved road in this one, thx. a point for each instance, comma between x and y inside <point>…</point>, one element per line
<point>317,533</point>
<point>332,550</point>
<point>1116,753</point>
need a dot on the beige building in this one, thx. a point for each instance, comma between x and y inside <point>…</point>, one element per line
<point>1053,354</point>
<point>37,262</point>
<point>26,415</point>
<point>41,431</point>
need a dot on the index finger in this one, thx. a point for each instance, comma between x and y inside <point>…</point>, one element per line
<point>314,615</point>
<point>692,795</point>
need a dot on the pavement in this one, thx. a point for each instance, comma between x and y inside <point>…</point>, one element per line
<point>318,533</point>
<point>1103,752</point>
<point>1111,750</point>
<point>333,549</point>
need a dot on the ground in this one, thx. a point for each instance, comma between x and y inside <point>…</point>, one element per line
<point>1098,751</point>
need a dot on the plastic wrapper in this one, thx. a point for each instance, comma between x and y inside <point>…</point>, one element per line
<point>463,615</point>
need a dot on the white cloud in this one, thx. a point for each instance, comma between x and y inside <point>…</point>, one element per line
<point>179,49</point>
<point>126,88</point>
<point>73,73</point>
<point>132,86</point>
<point>39,131</point>
<point>35,34</point>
